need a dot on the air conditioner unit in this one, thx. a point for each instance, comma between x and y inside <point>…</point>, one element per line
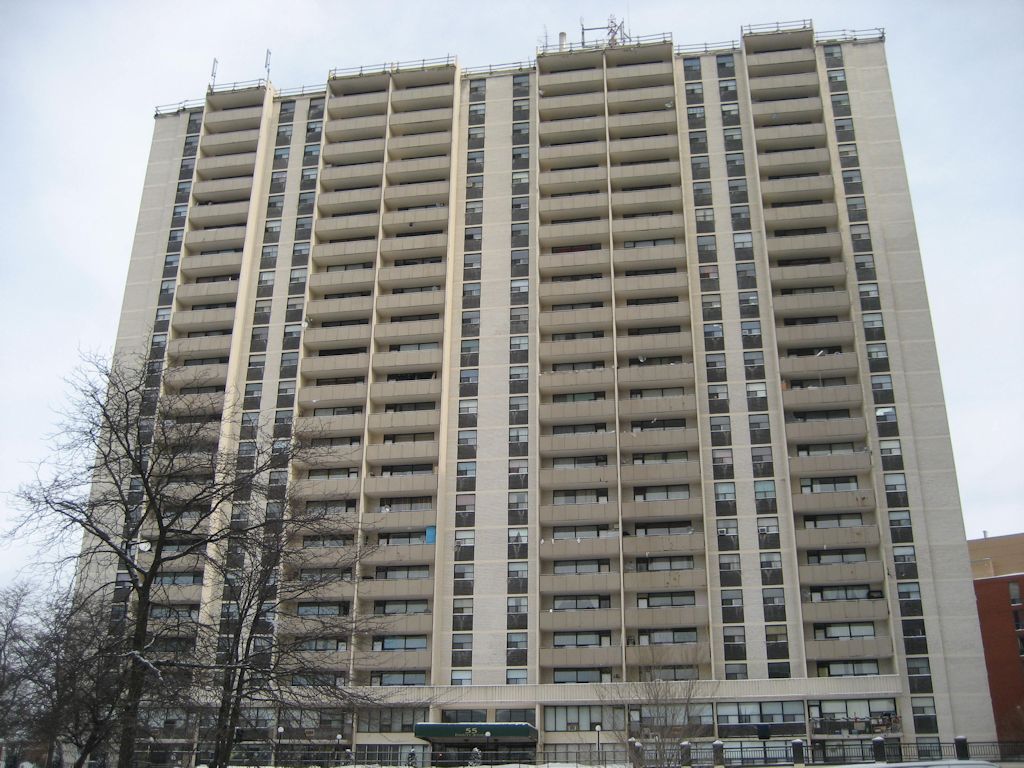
<point>763,530</point>
<point>723,531</point>
<point>572,726</point>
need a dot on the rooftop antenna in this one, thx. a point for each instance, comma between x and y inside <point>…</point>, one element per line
<point>213,74</point>
<point>266,64</point>
<point>614,31</point>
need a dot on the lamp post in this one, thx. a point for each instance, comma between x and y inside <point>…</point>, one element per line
<point>597,730</point>
<point>277,743</point>
<point>490,758</point>
<point>337,746</point>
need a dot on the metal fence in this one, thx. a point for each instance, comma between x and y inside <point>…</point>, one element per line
<point>696,755</point>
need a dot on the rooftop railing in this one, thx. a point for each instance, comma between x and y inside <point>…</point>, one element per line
<point>842,35</point>
<point>181,106</point>
<point>242,85</point>
<point>727,45</point>
<point>393,66</point>
<point>493,69</point>
<point>778,26</point>
<point>596,45</point>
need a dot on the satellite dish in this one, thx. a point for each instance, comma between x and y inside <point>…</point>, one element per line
<point>145,546</point>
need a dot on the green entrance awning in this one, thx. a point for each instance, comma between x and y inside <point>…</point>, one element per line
<point>476,732</point>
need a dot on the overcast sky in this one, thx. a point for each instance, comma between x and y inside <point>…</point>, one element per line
<point>79,80</point>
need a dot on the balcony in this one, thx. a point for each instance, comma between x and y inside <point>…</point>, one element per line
<point>400,554</point>
<point>571,106</point>
<point>356,152</point>
<point>818,215</point>
<point>653,440</point>
<point>676,544</point>
<point>430,97</point>
<point>655,408</point>
<point>356,251</point>
<point>806,275</point>
<point>187,321</point>
<point>196,375</point>
<point>647,286</point>
<point>358,225</point>
<point>572,180</point>
<point>335,366</point>
<point>562,445</point>
<point>660,474</point>
<point>407,362</point>
<point>671,375</point>
<point>321,283</point>
<point>408,332</point>
<point>412,275</point>
<point>655,511</point>
<point>337,336</point>
<point>329,426</point>
<point>232,120</point>
<point>654,345</point>
<point>583,584</point>
<point>831,465</point>
<point>212,214</point>
<point>805,110</point>
<point>786,86</point>
<point>569,549</point>
<point>326,310</point>
<point>649,227</point>
<point>209,265</point>
<point>565,291</point>
<point>653,314</point>
<point>577,153</point>
<point>841,364</point>
<point>348,201</point>
<point>395,222</point>
<point>774,63</point>
<point>790,190</point>
<point>380,522</point>
<point>333,178</point>
<point>576,381</point>
<point>419,169</point>
<point>642,123</point>
<point>597,618</point>
<point>567,514</point>
<point>845,610</point>
<point>650,173</point>
<point>861,500</point>
<point>403,485</point>
<point>222,239</point>
<point>879,647</point>
<point>379,660</point>
<point>226,166</point>
<point>423,301</point>
<point>423,121</point>
<point>411,195</point>
<point>837,538</point>
<point>231,143</point>
<point>821,334</point>
<point>793,162</point>
<point>331,396</point>
<point>568,131</point>
<point>577,350</point>
<point>418,245</point>
<point>570,321</point>
<point>420,144</point>
<point>220,292</point>
<point>230,190</point>
<point>420,452</point>
<point>652,581</point>
<point>583,412</point>
<point>847,396</point>
<point>790,137</point>
<point>633,100</point>
<point>871,572</point>
<point>201,346</point>
<point>379,589</point>
<point>638,75</point>
<point>607,655</point>
<point>554,235</point>
<point>676,616</point>
<point>646,200</point>
<point>357,104</point>
<point>592,261</point>
<point>355,128</point>
<point>384,392</point>
<point>812,304</point>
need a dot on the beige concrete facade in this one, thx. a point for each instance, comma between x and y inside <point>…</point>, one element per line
<point>696,429</point>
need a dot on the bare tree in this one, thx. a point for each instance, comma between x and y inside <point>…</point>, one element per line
<point>143,477</point>
<point>666,705</point>
<point>210,568</point>
<point>15,673</point>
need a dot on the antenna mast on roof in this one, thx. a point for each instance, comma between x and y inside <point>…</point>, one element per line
<point>213,73</point>
<point>614,32</point>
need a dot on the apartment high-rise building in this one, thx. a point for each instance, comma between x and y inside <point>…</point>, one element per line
<point>630,353</point>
